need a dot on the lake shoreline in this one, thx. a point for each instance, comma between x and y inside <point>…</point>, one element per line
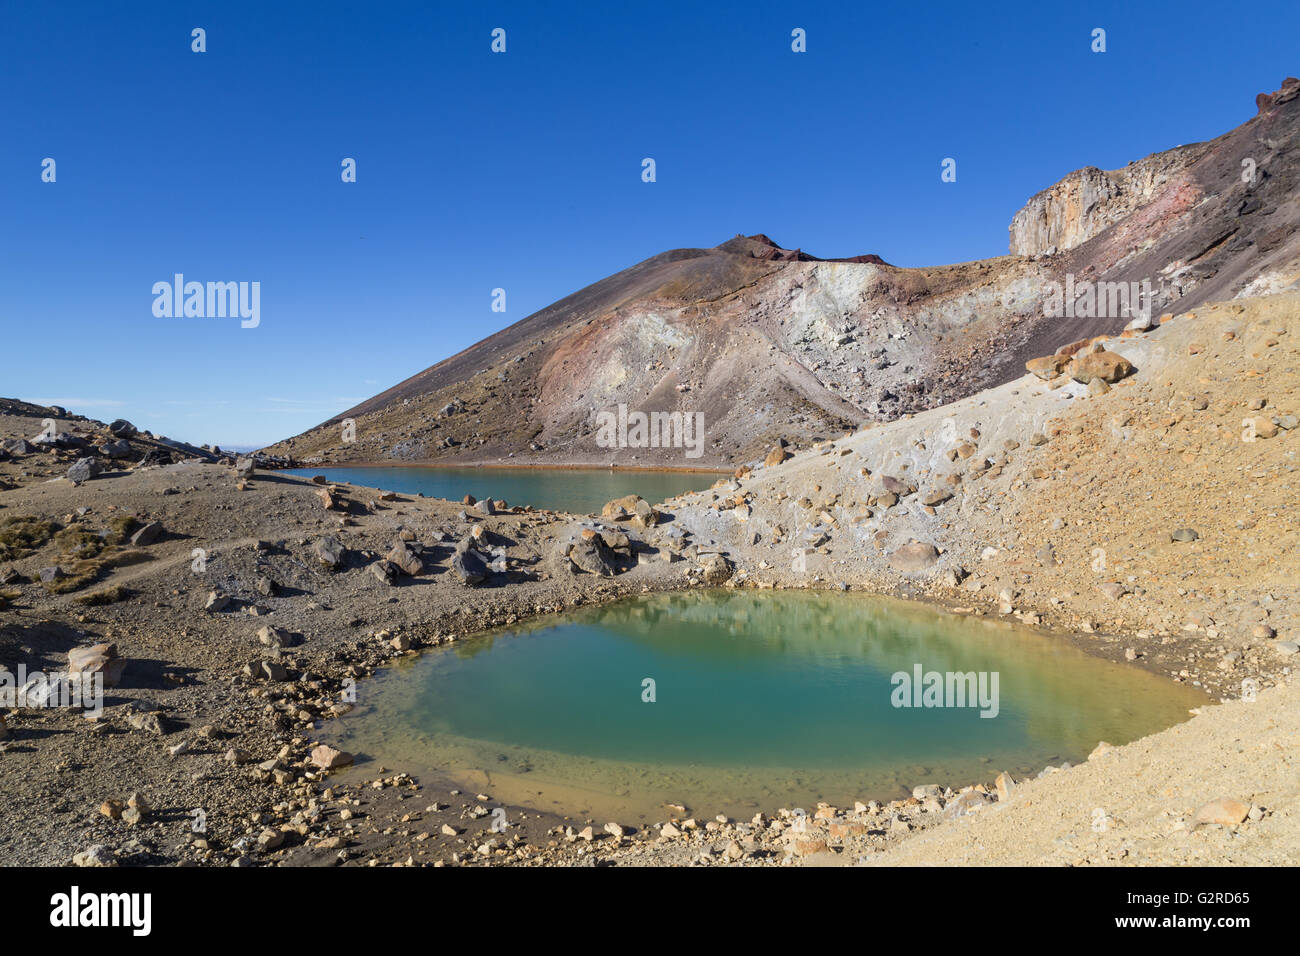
<point>563,490</point>
<point>540,466</point>
<point>816,637</point>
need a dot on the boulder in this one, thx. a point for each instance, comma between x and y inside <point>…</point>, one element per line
<point>266,670</point>
<point>777,455</point>
<point>121,428</point>
<point>917,556</point>
<point>632,508</point>
<point>327,758</point>
<point>1265,428</point>
<point>717,569</point>
<point>97,856</point>
<point>1048,367</point>
<point>147,535</point>
<point>616,541</point>
<point>150,722</point>
<point>897,486</point>
<point>217,601</point>
<point>469,567</point>
<point>404,559</point>
<point>807,846</point>
<point>329,552</point>
<point>1107,366</point>
<point>1113,590</point>
<point>968,801</point>
<point>155,456</point>
<point>1006,786</point>
<point>276,637</point>
<point>83,470</point>
<point>589,554</point>
<point>97,659</point>
<point>1224,811</point>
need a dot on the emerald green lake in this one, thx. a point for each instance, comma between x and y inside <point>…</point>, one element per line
<point>576,490</point>
<point>761,700</point>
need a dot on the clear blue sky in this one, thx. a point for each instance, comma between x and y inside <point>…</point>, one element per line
<point>523,170</point>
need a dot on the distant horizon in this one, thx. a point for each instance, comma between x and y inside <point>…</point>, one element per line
<point>522,170</point>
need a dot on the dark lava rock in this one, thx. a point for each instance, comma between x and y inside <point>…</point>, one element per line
<point>83,470</point>
<point>147,535</point>
<point>591,555</point>
<point>329,552</point>
<point>469,567</point>
<point>406,560</point>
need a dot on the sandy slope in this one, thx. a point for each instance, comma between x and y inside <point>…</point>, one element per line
<point>1148,792</point>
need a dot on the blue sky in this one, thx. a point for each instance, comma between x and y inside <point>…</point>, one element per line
<point>522,170</point>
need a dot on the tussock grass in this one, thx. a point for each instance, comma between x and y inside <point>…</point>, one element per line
<point>80,543</point>
<point>88,555</point>
<point>120,529</point>
<point>104,596</point>
<point>89,570</point>
<point>21,535</point>
<point>83,543</point>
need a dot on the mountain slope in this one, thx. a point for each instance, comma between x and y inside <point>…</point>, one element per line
<point>764,343</point>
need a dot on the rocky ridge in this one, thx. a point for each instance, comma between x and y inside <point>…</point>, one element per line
<point>765,342</point>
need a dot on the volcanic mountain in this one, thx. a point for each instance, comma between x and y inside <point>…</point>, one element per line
<point>767,343</point>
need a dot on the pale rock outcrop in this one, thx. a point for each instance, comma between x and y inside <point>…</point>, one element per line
<point>1088,200</point>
